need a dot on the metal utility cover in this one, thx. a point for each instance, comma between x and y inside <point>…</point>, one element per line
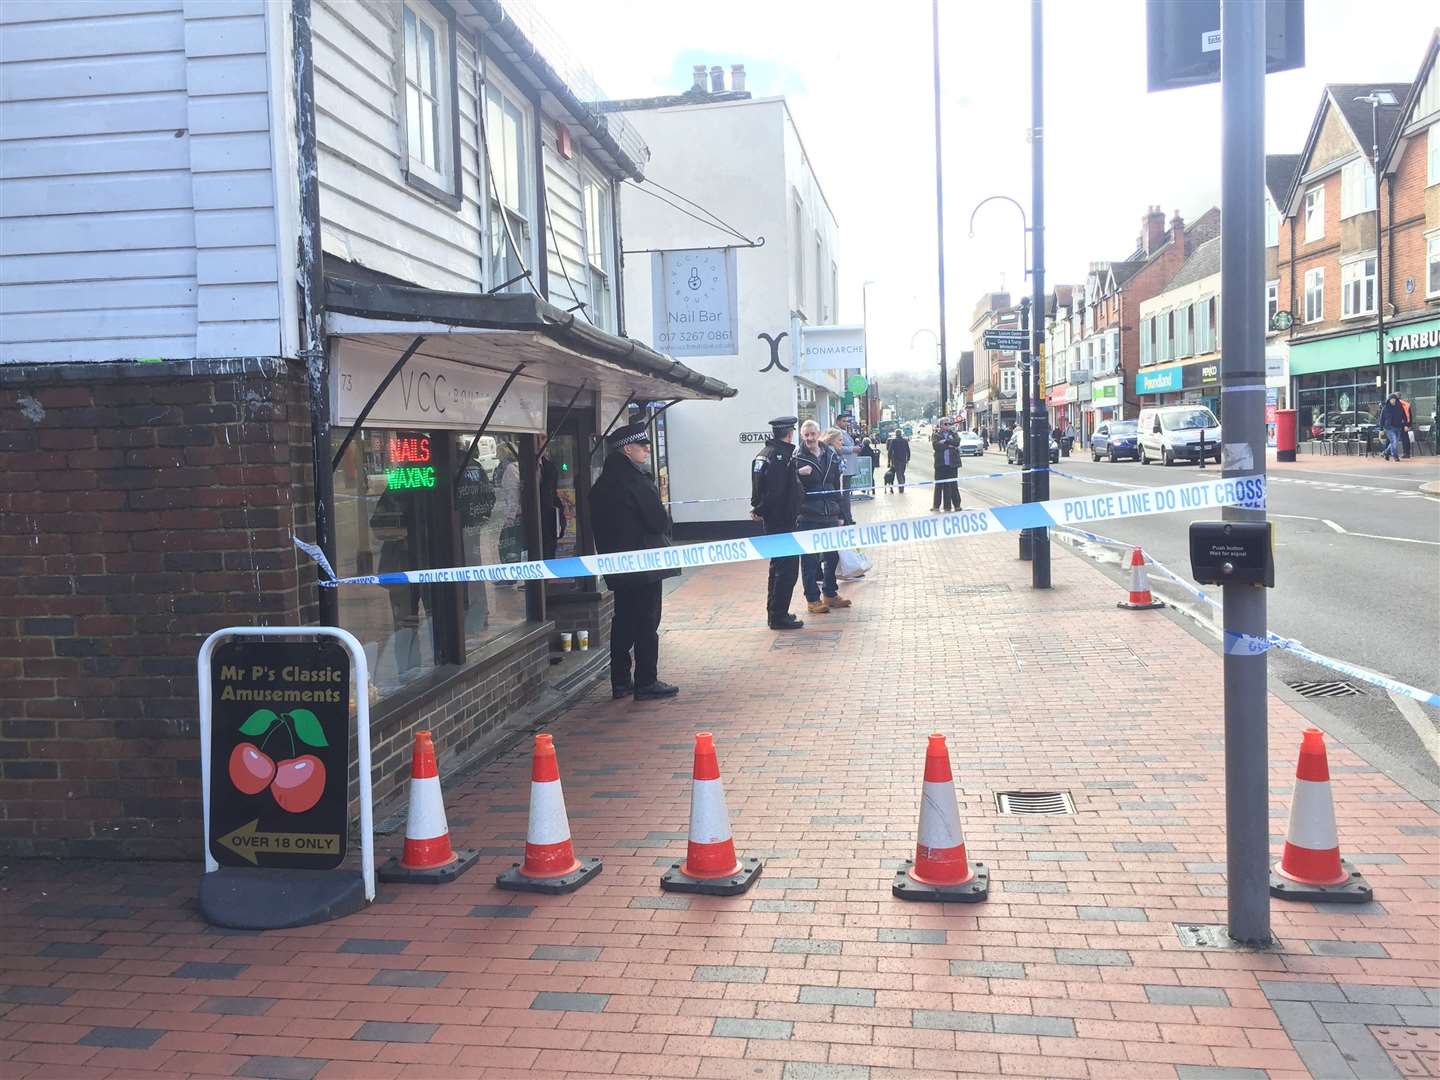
<point>1324,688</point>
<point>1034,802</point>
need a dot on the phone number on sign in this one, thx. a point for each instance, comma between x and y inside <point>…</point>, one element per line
<point>690,337</point>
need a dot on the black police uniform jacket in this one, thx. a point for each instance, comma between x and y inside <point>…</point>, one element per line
<point>775,490</point>
<point>626,515</point>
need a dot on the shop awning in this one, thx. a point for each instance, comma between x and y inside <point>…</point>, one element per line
<point>498,332</point>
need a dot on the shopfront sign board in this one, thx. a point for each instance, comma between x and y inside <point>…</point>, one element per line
<point>694,308</point>
<point>275,730</point>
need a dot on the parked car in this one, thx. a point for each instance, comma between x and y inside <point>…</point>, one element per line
<point>1177,432</point>
<point>1116,439</point>
<point>970,445</point>
<point>1015,453</point>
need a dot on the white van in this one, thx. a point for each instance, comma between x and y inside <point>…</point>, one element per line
<point>1174,433</point>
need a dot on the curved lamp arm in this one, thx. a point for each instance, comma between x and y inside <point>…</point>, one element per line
<point>1025,254</point>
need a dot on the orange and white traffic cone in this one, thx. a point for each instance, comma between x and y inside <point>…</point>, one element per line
<point>428,856</point>
<point>1310,868</point>
<point>941,871</point>
<point>1140,595</point>
<point>550,864</point>
<point>710,865</point>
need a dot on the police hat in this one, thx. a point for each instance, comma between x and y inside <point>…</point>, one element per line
<point>630,433</point>
<point>782,424</point>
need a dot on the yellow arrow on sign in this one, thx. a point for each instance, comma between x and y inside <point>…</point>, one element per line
<point>248,842</point>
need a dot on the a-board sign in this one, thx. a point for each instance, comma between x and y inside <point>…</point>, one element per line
<point>279,754</point>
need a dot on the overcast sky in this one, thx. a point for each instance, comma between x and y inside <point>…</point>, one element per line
<point>858,77</point>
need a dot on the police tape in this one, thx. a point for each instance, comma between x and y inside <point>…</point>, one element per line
<point>872,488</point>
<point>1237,644</point>
<point>1247,492</point>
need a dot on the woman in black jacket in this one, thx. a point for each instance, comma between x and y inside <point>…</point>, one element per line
<point>626,515</point>
<point>819,470</point>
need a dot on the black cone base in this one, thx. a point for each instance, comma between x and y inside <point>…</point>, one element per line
<point>268,898</point>
<point>515,881</point>
<point>464,860</point>
<point>972,892</point>
<point>1355,891</point>
<point>750,869</point>
<point>1140,607</point>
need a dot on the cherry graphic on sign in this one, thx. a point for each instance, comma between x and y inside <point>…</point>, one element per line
<point>298,781</point>
<point>251,769</point>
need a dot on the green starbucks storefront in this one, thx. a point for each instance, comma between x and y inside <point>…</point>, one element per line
<point>1338,385</point>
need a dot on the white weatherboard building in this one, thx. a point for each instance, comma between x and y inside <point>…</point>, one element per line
<point>743,161</point>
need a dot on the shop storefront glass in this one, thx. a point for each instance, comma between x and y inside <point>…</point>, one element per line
<point>396,508</point>
<point>1334,403</point>
<point>1418,381</point>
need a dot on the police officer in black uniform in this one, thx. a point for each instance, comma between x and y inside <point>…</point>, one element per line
<point>775,497</point>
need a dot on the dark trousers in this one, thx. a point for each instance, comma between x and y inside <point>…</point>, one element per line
<point>947,495</point>
<point>635,626</point>
<point>900,477</point>
<point>817,572</point>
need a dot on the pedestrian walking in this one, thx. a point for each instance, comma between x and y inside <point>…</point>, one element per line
<point>1392,423</point>
<point>775,496</point>
<point>946,447</point>
<point>848,468</point>
<point>897,454</point>
<point>818,467</point>
<point>1405,431</point>
<point>626,514</point>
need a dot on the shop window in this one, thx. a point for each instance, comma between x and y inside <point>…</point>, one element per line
<point>1272,303</point>
<point>394,512</point>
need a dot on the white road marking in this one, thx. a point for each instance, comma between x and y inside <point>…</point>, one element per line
<point>1397,539</point>
<point>1332,525</point>
<point>1421,724</point>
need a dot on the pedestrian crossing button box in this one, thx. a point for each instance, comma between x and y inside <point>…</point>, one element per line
<point>1232,553</point>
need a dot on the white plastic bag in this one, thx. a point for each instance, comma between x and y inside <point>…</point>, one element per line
<point>853,563</point>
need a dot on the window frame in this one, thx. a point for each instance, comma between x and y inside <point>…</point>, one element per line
<point>1349,186</point>
<point>1315,196</point>
<point>1432,261</point>
<point>496,83</point>
<point>1350,280</point>
<point>1432,154</point>
<point>595,220</point>
<point>1318,291</point>
<point>1272,303</point>
<point>1272,223</point>
<point>445,184</point>
<point>797,239</point>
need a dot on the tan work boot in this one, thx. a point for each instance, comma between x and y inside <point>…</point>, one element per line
<point>837,601</point>
<point>817,607</point>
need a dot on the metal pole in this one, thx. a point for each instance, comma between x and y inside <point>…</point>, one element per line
<point>1379,242</point>
<point>1040,420</point>
<point>1242,388</point>
<point>940,210</point>
<point>1027,476</point>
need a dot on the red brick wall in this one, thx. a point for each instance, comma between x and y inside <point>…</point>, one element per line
<point>141,507</point>
<point>1405,253</point>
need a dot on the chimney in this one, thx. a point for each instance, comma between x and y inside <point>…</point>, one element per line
<point>699,84</point>
<point>737,78</point>
<point>717,79</point>
<point>1177,233</point>
<point>1152,230</point>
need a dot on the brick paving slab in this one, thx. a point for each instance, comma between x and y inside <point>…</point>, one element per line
<point>1073,967</point>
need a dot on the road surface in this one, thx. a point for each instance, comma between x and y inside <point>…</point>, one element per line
<point>1357,552</point>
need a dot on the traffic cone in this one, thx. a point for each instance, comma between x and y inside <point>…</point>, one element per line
<point>1310,868</point>
<point>550,864</point>
<point>710,865</point>
<point>1140,596</point>
<point>428,856</point>
<point>940,870</point>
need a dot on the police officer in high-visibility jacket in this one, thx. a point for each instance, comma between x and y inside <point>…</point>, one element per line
<point>775,497</point>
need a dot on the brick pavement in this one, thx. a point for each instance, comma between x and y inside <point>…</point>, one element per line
<point>1073,968</point>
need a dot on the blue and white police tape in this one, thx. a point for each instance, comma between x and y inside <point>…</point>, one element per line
<point>1249,492</point>
<point>872,488</point>
<point>1237,644</point>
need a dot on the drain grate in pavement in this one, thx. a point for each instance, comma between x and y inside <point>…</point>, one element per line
<point>807,639</point>
<point>1034,802</point>
<point>1324,688</point>
<point>975,590</point>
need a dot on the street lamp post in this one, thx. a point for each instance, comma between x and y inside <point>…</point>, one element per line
<point>1375,99</point>
<point>865,339</point>
<point>939,198</point>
